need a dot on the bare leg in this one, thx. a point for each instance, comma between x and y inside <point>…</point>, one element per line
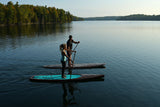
<point>63,68</point>
<point>69,61</point>
<point>70,71</point>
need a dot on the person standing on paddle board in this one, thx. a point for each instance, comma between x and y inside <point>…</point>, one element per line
<point>69,48</point>
<point>64,56</point>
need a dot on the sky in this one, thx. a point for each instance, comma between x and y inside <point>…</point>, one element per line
<point>98,8</point>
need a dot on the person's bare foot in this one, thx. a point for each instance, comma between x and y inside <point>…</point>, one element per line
<point>64,76</point>
<point>71,65</point>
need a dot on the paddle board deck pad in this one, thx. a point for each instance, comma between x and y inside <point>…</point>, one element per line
<point>68,78</point>
<point>78,66</point>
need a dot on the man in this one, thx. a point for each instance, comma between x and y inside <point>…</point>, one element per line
<point>69,48</point>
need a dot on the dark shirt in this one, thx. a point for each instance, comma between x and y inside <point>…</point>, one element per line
<point>69,44</point>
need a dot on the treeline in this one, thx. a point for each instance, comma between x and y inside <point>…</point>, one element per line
<point>129,17</point>
<point>102,18</point>
<point>27,14</point>
<point>140,17</point>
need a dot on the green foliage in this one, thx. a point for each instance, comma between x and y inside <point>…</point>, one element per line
<point>75,18</point>
<point>2,14</point>
<point>11,13</point>
<point>25,14</point>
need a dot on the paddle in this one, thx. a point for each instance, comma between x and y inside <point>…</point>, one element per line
<point>73,58</point>
<point>75,47</point>
<point>74,54</point>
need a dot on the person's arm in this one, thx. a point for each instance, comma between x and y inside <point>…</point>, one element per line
<point>66,55</point>
<point>69,50</point>
<point>76,42</point>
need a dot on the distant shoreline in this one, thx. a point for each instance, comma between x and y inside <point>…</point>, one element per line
<point>73,21</point>
<point>134,17</point>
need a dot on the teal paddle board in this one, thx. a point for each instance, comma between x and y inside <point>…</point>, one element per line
<point>73,77</point>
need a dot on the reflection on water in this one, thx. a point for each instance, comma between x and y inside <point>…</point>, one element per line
<point>13,36</point>
<point>68,94</point>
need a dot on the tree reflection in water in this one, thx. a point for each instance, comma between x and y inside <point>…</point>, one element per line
<point>20,35</point>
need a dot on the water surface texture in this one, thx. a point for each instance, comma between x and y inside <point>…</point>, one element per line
<point>130,50</point>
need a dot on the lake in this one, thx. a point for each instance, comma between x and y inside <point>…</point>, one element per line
<point>130,50</point>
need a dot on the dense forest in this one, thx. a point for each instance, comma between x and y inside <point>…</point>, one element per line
<point>28,14</point>
<point>140,17</point>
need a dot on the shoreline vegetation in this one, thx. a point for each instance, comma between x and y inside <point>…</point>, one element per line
<point>140,17</point>
<point>15,14</point>
<point>134,17</point>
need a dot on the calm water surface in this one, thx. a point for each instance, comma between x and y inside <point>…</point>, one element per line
<point>129,49</point>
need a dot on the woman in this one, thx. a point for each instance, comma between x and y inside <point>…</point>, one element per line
<point>63,49</point>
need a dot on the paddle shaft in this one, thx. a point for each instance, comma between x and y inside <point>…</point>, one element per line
<point>75,47</point>
<point>74,54</point>
<point>73,58</point>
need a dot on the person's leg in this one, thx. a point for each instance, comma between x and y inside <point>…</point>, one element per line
<point>69,61</point>
<point>70,71</point>
<point>63,68</point>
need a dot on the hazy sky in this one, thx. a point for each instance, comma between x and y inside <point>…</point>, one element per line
<point>91,8</point>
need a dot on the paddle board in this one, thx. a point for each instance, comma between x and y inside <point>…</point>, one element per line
<point>78,66</point>
<point>68,78</point>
